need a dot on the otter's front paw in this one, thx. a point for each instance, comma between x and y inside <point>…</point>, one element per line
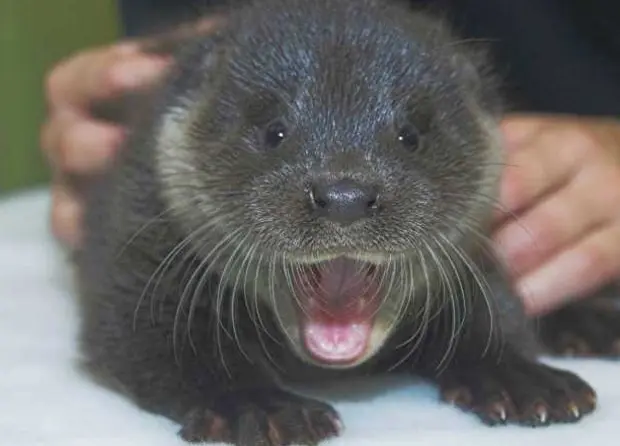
<point>268,417</point>
<point>583,329</point>
<point>520,392</point>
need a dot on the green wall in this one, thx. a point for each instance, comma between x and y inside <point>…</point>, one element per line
<point>34,34</point>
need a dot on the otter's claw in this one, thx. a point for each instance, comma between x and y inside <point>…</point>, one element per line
<point>262,417</point>
<point>525,393</point>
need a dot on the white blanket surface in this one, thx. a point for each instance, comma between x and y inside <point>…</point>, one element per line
<point>45,400</point>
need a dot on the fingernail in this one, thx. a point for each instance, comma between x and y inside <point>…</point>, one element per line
<point>528,297</point>
<point>126,48</point>
<point>137,72</point>
<point>92,148</point>
<point>551,285</point>
<point>66,219</point>
<point>512,242</point>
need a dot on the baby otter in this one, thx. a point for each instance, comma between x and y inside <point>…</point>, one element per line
<point>305,199</point>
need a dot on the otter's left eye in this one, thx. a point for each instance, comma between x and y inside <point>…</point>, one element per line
<point>275,133</point>
<point>409,136</point>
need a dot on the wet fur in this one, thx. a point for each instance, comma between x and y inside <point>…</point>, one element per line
<point>168,320</point>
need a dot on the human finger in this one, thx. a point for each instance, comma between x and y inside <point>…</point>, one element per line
<point>78,145</point>
<point>99,74</point>
<point>559,220</point>
<point>517,129</point>
<point>66,215</point>
<point>573,273</point>
<point>545,164</point>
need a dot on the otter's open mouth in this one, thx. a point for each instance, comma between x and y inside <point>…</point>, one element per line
<point>338,300</point>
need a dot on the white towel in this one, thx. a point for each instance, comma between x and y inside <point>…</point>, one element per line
<point>45,401</point>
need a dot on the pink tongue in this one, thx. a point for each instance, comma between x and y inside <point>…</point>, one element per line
<point>340,302</point>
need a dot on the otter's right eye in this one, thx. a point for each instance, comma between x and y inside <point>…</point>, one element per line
<point>275,134</point>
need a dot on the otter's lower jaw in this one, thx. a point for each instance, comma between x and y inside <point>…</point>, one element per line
<point>340,346</point>
<point>339,359</point>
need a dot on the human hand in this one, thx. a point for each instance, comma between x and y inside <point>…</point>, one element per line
<point>78,144</point>
<point>562,183</point>
<point>75,142</point>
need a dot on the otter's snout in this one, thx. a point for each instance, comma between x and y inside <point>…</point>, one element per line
<point>343,201</point>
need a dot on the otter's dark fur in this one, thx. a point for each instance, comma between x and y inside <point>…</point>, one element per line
<point>189,237</point>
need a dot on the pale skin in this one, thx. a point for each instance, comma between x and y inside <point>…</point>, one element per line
<point>558,220</point>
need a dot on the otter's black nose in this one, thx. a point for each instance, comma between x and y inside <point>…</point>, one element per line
<point>344,201</point>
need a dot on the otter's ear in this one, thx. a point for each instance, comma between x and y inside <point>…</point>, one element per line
<point>478,79</point>
<point>196,63</point>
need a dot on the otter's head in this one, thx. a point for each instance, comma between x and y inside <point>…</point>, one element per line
<point>329,154</point>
